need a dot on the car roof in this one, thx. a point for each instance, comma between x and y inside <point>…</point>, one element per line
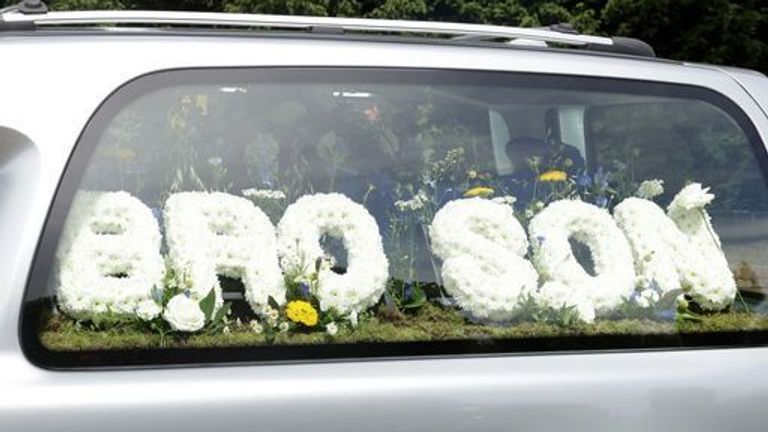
<point>164,22</point>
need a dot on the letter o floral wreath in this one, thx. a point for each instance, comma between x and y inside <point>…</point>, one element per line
<point>614,280</point>
<point>299,249</point>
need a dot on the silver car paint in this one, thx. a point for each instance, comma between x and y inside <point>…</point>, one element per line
<point>49,88</point>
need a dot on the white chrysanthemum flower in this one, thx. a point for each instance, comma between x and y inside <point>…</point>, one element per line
<point>284,327</point>
<point>332,329</point>
<point>256,327</point>
<point>680,251</point>
<point>692,197</point>
<point>647,297</point>
<point>650,189</point>
<point>416,203</point>
<point>266,194</point>
<point>217,234</point>
<point>184,314</point>
<point>482,246</point>
<point>506,200</point>
<point>550,232</point>
<point>299,233</point>
<point>271,315</point>
<point>353,318</point>
<point>108,258</point>
<point>148,310</point>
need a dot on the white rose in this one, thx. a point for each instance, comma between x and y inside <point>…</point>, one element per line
<point>184,314</point>
<point>147,310</point>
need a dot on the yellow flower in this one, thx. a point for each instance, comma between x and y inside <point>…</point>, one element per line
<point>553,176</point>
<point>478,191</point>
<point>301,312</point>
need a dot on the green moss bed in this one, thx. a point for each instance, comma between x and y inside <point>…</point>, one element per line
<point>429,323</point>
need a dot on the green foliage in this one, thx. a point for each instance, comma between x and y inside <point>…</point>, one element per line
<point>208,304</point>
<point>731,32</point>
<point>429,323</point>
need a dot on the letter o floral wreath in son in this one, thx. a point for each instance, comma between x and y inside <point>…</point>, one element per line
<point>614,280</point>
<point>482,246</point>
<point>299,233</point>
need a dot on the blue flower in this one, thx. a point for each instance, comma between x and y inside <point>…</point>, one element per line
<point>583,180</point>
<point>601,201</point>
<point>304,289</point>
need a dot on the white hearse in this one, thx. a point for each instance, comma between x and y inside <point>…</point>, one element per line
<point>252,222</point>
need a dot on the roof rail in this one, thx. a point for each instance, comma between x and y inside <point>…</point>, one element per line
<point>215,19</point>
<point>32,14</point>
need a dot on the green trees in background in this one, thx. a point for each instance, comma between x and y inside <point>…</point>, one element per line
<point>731,32</point>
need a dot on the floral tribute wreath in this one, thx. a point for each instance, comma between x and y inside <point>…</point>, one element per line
<point>678,252</point>
<point>109,257</point>
<point>212,234</point>
<point>302,255</point>
<point>614,279</point>
<point>483,246</point>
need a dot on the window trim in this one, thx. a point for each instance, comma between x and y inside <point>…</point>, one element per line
<point>80,157</point>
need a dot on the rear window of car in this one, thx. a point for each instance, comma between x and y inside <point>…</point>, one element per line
<point>220,215</point>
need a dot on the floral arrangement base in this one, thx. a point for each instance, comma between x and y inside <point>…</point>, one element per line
<point>429,323</point>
